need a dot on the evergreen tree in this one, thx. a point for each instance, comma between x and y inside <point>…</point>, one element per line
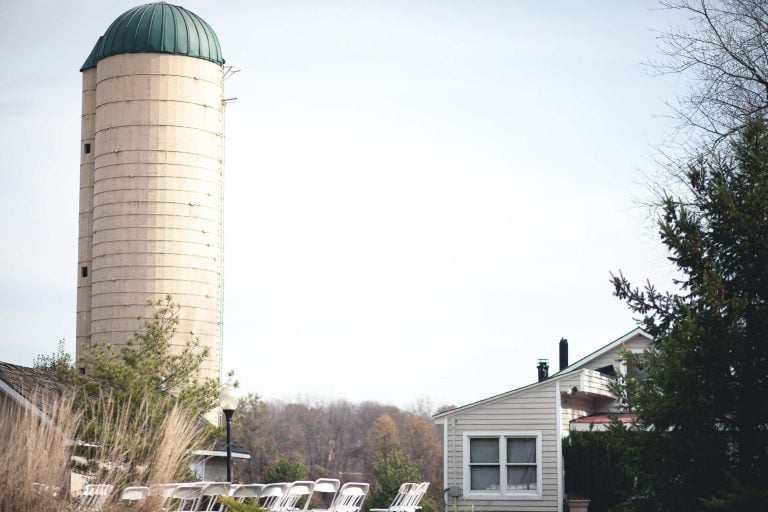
<point>703,406</point>
<point>389,472</point>
<point>144,374</point>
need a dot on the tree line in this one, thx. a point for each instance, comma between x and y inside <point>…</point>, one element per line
<point>367,441</point>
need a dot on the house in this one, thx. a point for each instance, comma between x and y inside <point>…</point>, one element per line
<point>504,453</point>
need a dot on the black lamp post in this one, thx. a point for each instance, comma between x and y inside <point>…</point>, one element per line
<point>229,401</point>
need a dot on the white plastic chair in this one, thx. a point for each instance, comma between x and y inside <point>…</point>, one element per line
<point>397,504</point>
<point>324,486</point>
<point>93,497</point>
<point>135,493</point>
<point>209,496</point>
<point>271,495</point>
<point>160,494</point>
<point>186,497</point>
<point>350,497</point>
<point>295,492</point>
<point>245,492</point>
<point>417,492</point>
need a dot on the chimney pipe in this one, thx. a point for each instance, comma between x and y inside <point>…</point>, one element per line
<point>543,368</point>
<point>563,353</point>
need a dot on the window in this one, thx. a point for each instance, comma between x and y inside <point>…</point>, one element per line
<point>637,369</point>
<point>83,271</point>
<point>87,148</point>
<point>504,464</point>
<point>521,464</point>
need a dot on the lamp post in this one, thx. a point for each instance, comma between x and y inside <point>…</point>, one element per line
<point>229,400</point>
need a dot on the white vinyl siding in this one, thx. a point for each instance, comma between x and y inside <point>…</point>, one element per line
<point>533,408</point>
<point>530,410</point>
<point>635,344</point>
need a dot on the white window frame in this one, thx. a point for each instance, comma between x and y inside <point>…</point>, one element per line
<point>502,493</point>
<point>623,367</point>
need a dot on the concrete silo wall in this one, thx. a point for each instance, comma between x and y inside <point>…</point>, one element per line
<point>85,231</point>
<point>157,204</point>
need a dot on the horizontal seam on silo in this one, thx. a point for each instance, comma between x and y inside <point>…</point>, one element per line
<point>154,151</point>
<point>210,209</point>
<point>156,100</point>
<point>147,265</point>
<point>154,164</point>
<point>163,240</point>
<point>145,253</point>
<point>206,243</point>
<point>160,150</point>
<point>175,295</point>
<point>191,77</point>
<point>157,202</point>
<point>130,335</point>
<point>197,230</point>
<point>150,189</point>
<point>144,303</point>
<point>105,328</point>
<point>161,176</point>
<point>175,126</point>
<point>162,215</point>
<point>171,279</point>
<point>210,227</point>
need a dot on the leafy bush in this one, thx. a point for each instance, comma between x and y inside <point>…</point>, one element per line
<point>595,469</point>
<point>285,469</point>
<point>389,473</point>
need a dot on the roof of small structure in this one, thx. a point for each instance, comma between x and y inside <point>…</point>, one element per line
<point>157,28</point>
<point>33,385</point>
<point>219,449</point>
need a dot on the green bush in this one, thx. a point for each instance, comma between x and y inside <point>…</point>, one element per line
<point>595,469</point>
<point>285,469</point>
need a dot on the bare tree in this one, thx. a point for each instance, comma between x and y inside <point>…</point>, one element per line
<point>723,49</point>
<point>337,439</point>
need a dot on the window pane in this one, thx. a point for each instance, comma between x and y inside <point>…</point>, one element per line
<point>484,451</point>
<point>521,478</point>
<point>638,370</point>
<point>521,451</point>
<point>484,478</point>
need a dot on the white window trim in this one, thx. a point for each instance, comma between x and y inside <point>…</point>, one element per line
<point>623,365</point>
<point>502,495</point>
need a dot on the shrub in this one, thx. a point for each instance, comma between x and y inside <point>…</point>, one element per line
<point>595,469</point>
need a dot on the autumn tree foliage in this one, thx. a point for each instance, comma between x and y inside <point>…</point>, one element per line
<point>383,438</point>
<point>340,439</point>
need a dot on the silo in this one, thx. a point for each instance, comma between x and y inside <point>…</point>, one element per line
<point>151,179</point>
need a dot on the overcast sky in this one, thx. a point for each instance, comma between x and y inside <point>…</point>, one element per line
<point>421,197</point>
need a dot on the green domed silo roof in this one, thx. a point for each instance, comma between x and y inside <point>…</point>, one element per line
<point>157,28</point>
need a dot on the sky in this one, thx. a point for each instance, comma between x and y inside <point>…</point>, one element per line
<point>421,197</point>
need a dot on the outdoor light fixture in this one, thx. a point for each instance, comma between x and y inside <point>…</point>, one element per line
<point>229,400</point>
